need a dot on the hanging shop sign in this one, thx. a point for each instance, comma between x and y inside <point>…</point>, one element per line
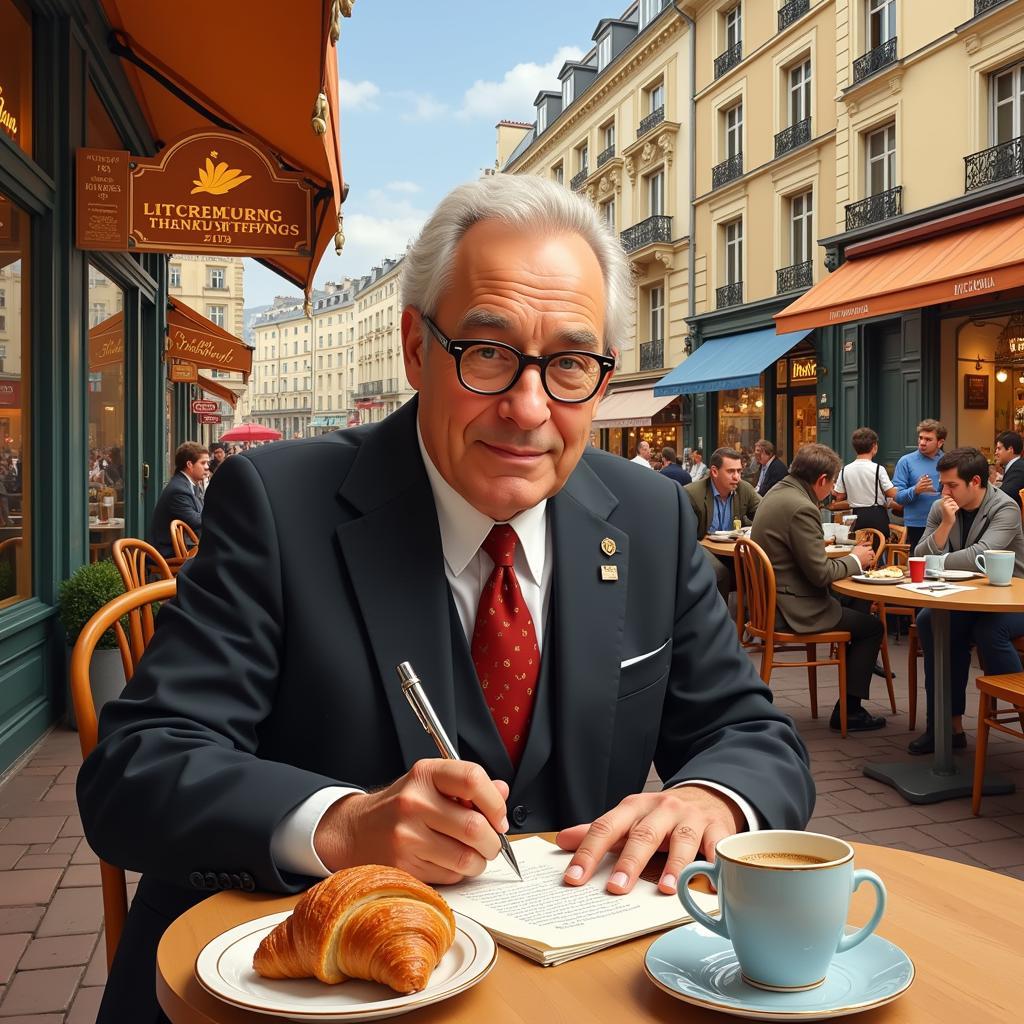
<point>208,192</point>
<point>207,418</point>
<point>10,393</point>
<point>203,405</point>
<point>181,372</point>
<point>106,342</point>
<point>803,370</point>
<point>188,341</point>
<point>975,391</point>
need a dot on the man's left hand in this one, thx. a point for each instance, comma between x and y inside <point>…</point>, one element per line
<point>681,821</point>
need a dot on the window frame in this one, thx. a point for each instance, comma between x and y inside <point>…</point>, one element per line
<point>542,117</point>
<point>885,12</point>
<point>1016,102</point>
<point>604,51</point>
<point>656,312</point>
<point>801,226</point>
<point>732,26</point>
<point>733,250</point>
<point>656,176</point>
<point>568,90</point>
<point>212,274</point>
<point>799,93</point>
<point>733,131</point>
<point>887,155</point>
<point>656,96</point>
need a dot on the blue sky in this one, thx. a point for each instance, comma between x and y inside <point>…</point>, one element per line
<point>422,88</point>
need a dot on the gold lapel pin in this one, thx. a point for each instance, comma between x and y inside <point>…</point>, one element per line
<point>608,546</point>
<point>609,573</point>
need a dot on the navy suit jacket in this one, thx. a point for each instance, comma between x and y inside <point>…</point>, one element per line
<point>177,501</point>
<point>330,572</point>
<point>776,471</point>
<point>1013,481</point>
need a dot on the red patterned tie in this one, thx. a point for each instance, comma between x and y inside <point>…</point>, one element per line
<point>505,651</point>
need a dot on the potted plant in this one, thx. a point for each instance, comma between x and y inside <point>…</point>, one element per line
<point>80,596</point>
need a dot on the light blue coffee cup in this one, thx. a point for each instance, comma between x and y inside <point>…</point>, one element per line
<point>997,566</point>
<point>933,563</point>
<point>784,916</point>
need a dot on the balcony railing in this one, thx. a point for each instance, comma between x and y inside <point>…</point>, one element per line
<point>654,229</point>
<point>371,387</point>
<point>390,386</point>
<point>875,208</point>
<point>874,60</point>
<point>727,61</point>
<point>652,354</point>
<point>653,118</point>
<point>727,170</point>
<point>792,12</point>
<point>605,155</point>
<point>792,279</point>
<point>795,135</point>
<point>577,179</point>
<point>995,164</point>
<point>729,295</point>
<point>981,6</point>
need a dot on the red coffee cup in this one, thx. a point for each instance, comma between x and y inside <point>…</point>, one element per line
<point>916,566</point>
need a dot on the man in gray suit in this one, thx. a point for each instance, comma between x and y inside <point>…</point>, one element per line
<point>970,518</point>
<point>272,751</point>
<point>788,527</point>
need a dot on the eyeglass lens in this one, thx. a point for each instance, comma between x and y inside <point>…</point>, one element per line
<point>570,376</point>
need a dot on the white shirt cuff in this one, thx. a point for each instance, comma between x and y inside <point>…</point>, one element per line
<point>753,819</point>
<point>291,845</point>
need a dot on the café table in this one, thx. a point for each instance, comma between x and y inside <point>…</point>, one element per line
<point>943,778</point>
<point>960,925</point>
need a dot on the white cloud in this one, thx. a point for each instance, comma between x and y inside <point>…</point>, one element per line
<point>402,186</point>
<point>358,95</point>
<point>513,96</point>
<point>424,107</point>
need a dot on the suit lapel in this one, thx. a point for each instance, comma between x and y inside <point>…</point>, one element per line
<point>392,554</point>
<point>588,636</point>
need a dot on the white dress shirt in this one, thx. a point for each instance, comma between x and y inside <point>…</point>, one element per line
<point>467,568</point>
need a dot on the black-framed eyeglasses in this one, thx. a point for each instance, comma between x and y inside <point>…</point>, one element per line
<point>492,367</point>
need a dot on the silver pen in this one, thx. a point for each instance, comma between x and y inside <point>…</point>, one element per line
<point>414,694</point>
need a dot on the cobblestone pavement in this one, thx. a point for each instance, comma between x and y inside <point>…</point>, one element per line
<point>52,963</point>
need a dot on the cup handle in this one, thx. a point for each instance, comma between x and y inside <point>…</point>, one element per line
<point>979,561</point>
<point>701,867</point>
<point>849,941</point>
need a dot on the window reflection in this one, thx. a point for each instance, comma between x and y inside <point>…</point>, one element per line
<point>15,519</point>
<point>106,414</point>
<point>741,420</point>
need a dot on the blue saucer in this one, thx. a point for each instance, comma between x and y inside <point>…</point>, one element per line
<point>699,967</point>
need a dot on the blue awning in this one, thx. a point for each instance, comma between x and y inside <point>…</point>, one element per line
<point>733,362</point>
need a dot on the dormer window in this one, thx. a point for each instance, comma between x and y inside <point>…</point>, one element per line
<point>542,117</point>
<point>604,52</point>
<point>649,10</point>
<point>567,96</point>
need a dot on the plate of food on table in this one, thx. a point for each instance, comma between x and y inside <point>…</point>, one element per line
<point>885,574</point>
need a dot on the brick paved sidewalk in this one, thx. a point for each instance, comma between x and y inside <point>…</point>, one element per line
<point>52,959</point>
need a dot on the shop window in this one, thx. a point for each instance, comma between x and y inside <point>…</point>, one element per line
<point>1007,90</point>
<point>881,22</point>
<point>15,452</point>
<point>106,414</point>
<point>741,419</point>
<point>16,73</point>
<point>880,146</point>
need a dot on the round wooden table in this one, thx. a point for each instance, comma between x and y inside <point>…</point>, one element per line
<point>960,925</point>
<point>943,779</point>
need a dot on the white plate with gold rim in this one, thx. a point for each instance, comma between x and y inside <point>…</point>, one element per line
<point>224,969</point>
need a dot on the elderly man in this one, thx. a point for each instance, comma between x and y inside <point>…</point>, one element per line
<point>643,455</point>
<point>334,572</point>
<point>718,500</point>
<point>971,517</point>
<point>788,527</point>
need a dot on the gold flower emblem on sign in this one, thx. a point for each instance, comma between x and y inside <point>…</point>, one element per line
<point>216,179</point>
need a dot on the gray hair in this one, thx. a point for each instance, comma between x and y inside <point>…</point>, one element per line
<point>522,201</point>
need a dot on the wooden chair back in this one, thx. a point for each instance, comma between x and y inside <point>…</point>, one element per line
<point>139,563</point>
<point>897,534</point>
<point>137,606</point>
<point>184,540</point>
<point>1020,494</point>
<point>873,537</point>
<point>754,573</point>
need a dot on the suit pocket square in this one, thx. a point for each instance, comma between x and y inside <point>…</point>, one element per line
<point>643,657</point>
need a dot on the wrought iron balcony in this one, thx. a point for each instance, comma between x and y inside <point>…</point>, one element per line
<point>653,118</point>
<point>981,6</point>
<point>390,386</point>
<point>729,295</point>
<point>727,61</point>
<point>605,155</point>
<point>792,11</point>
<point>875,208</point>
<point>792,137</point>
<point>792,279</point>
<point>874,60</point>
<point>727,170</point>
<point>577,179</point>
<point>652,354</point>
<point>995,164</point>
<point>372,387</point>
<point>654,229</point>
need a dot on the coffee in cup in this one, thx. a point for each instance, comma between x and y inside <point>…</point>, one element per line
<point>784,898</point>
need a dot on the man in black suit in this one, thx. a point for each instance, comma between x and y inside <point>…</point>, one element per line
<point>1009,445</point>
<point>270,752</point>
<point>772,469</point>
<point>182,498</point>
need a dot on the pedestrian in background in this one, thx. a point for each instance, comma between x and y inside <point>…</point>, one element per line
<point>865,484</point>
<point>917,479</point>
<point>772,469</point>
<point>643,454</point>
<point>1009,445</point>
<point>698,467</point>
<point>672,468</point>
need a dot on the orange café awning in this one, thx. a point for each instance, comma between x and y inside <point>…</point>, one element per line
<point>963,264</point>
<point>190,336</point>
<point>266,69</point>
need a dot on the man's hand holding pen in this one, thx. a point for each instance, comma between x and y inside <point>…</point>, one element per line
<point>420,823</point>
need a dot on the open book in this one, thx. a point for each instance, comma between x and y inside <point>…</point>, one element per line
<point>550,922</point>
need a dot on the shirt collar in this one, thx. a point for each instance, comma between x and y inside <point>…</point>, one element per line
<point>1010,463</point>
<point>464,528</point>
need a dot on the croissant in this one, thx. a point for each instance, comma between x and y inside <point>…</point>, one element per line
<point>371,922</point>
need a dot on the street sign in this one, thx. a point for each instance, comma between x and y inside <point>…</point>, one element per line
<point>203,405</point>
<point>207,417</point>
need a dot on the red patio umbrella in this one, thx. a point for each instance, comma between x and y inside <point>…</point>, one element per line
<point>251,432</point>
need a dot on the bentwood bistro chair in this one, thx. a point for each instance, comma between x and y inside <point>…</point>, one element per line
<point>134,609</point>
<point>139,563</point>
<point>185,542</point>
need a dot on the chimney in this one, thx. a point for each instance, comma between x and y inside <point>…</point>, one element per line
<point>510,134</point>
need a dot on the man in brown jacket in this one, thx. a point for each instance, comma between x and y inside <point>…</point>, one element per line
<point>788,528</point>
